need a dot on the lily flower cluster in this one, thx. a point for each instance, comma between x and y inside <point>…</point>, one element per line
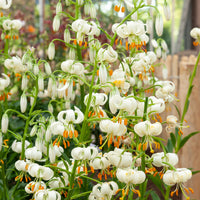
<point>103,111</point>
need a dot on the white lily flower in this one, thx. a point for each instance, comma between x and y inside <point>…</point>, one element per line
<point>39,171</point>
<point>47,195</point>
<point>7,24</point>
<point>147,129</point>
<point>159,25</point>
<point>15,64</point>
<point>100,162</point>
<point>98,99</point>
<point>159,158</point>
<point>33,154</point>
<point>111,128</point>
<point>4,123</point>
<point>164,92</point>
<point>81,27</point>
<point>4,83</point>
<point>17,146</point>
<point>195,33</point>
<point>108,55</point>
<point>16,24</point>
<point>130,176</point>
<point>51,51</point>
<point>33,187</point>
<point>88,153</point>
<point>179,177</point>
<point>21,165</point>
<point>104,191</point>
<point>72,67</point>
<point>57,128</point>
<point>56,182</point>
<point>70,116</point>
<point>119,158</point>
<point>5,4</point>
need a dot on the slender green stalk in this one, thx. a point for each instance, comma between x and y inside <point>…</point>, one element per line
<point>85,136</point>
<point>28,120</point>
<point>6,53</point>
<point>72,179</point>
<point>143,185</point>
<point>167,192</point>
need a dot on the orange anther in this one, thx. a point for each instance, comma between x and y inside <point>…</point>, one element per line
<point>80,43</point>
<point>85,45</point>
<point>116,41</point>
<point>92,169</point>
<point>125,122</point>
<point>191,190</point>
<point>123,9</point>
<point>75,133</point>
<point>70,134</point>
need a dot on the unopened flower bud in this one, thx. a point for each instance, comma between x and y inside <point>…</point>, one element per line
<point>24,82</point>
<point>36,69</point>
<point>48,134</point>
<point>92,11</point>
<point>40,83</point>
<point>47,68</point>
<point>167,11</point>
<point>72,54</point>
<point>33,131</point>
<point>56,23</point>
<point>51,51</point>
<point>31,100</point>
<point>23,103</point>
<point>58,8</point>
<point>67,36</point>
<point>4,123</point>
<point>159,25</point>
<point>154,43</point>
<point>87,8</point>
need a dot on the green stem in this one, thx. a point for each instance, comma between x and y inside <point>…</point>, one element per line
<point>28,120</point>
<point>143,185</point>
<point>85,136</point>
<point>187,98</point>
<point>167,192</point>
<point>71,182</point>
<point>6,53</point>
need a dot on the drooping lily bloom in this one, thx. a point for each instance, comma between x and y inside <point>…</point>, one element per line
<point>104,191</point>
<point>159,158</point>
